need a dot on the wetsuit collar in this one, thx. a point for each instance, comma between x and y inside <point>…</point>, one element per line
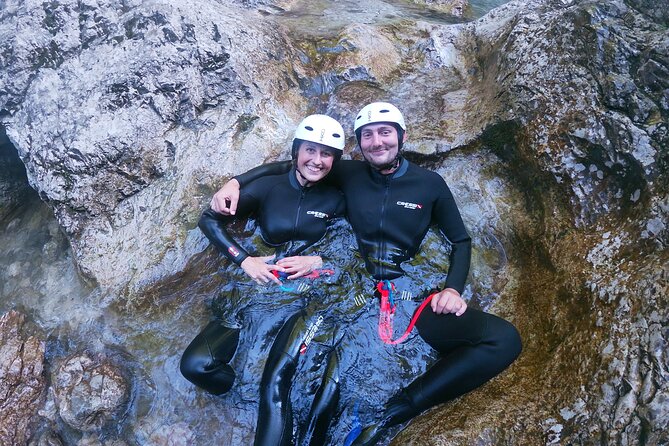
<point>292,177</point>
<point>401,170</point>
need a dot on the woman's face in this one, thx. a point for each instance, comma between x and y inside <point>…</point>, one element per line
<point>314,162</point>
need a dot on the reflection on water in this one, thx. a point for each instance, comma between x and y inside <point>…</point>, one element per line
<point>37,271</point>
<point>323,18</point>
<point>481,7</point>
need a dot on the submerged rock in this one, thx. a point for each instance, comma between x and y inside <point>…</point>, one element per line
<point>47,438</point>
<point>456,8</point>
<point>89,391</point>
<point>22,380</point>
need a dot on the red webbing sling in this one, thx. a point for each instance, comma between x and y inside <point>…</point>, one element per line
<point>387,313</point>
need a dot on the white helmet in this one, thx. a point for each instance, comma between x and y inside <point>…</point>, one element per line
<point>321,129</point>
<point>379,112</point>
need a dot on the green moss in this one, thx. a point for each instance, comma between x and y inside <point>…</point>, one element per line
<point>246,123</point>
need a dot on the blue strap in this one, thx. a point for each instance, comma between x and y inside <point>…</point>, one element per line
<point>389,287</point>
<point>356,430</point>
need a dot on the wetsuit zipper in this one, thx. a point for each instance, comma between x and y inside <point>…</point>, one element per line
<point>383,214</point>
<point>297,214</point>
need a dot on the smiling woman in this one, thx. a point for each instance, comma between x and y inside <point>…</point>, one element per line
<point>318,143</point>
<point>314,161</point>
<point>293,211</point>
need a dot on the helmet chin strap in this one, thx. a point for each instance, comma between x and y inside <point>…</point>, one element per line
<point>306,182</point>
<point>392,165</point>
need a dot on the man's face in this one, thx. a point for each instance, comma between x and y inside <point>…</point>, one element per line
<point>379,143</point>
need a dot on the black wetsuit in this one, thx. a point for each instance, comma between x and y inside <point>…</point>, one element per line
<point>390,215</point>
<point>291,218</point>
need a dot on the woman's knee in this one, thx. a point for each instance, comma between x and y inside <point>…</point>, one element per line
<point>196,357</point>
<point>204,362</point>
<point>193,364</point>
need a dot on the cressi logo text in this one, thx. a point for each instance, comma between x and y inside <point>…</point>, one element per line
<point>407,205</point>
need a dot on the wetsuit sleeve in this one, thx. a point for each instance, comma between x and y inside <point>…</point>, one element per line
<point>263,170</point>
<point>214,227</point>
<point>450,223</point>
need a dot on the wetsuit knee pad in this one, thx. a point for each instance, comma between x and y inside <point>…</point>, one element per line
<point>221,340</point>
<point>288,339</point>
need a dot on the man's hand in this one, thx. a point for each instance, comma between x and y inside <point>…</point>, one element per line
<point>260,271</point>
<point>225,200</point>
<point>448,301</point>
<point>300,266</point>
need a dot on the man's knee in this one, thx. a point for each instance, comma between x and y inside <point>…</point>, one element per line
<point>506,338</point>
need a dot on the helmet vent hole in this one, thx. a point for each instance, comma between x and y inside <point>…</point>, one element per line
<point>359,116</point>
<point>308,127</point>
<point>384,111</point>
<point>336,135</point>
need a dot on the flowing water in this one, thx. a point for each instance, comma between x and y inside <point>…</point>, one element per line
<point>39,276</point>
<point>306,16</point>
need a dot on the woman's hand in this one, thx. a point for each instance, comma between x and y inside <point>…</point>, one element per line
<point>260,271</point>
<point>299,266</point>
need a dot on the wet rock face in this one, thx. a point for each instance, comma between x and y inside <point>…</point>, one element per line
<point>22,380</point>
<point>128,115</point>
<point>14,187</point>
<point>573,97</point>
<point>89,392</point>
<point>585,81</point>
<point>613,105</point>
<point>657,10</point>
